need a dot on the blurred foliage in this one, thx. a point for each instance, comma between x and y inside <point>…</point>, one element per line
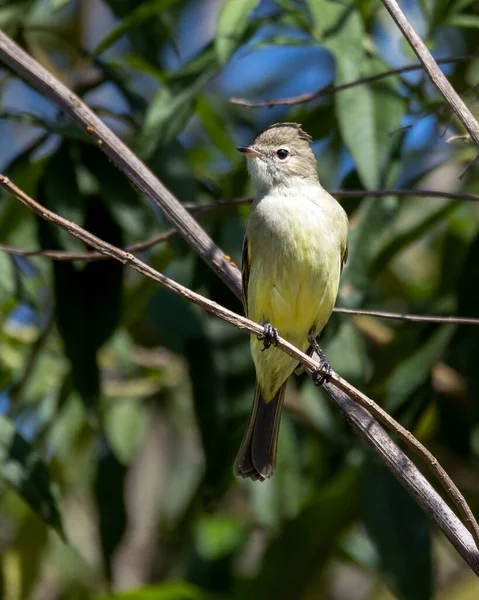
<point>122,405</point>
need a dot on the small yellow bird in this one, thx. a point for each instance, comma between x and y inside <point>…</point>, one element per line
<point>293,254</point>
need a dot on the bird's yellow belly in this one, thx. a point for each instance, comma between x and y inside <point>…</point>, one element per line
<point>295,292</point>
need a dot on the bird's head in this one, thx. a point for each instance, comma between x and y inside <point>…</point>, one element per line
<point>280,155</point>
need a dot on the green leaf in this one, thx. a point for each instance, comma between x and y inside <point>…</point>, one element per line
<point>25,173</point>
<point>365,240</point>
<point>400,531</point>
<point>232,23</point>
<point>355,107</point>
<point>61,193</point>
<point>31,541</point>
<point>23,470</point>
<point>295,558</point>
<point>128,208</point>
<point>218,536</point>
<point>124,427</point>
<point>416,369</point>
<point>326,16</point>
<point>216,128</point>
<point>109,489</point>
<point>7,279</point>
<point>389,108</point>
<point>464,21</point>
<point>173,105</point>
<point>59,4</point>
<point>144,12</point>
<point>458,418</point>
<point>408,237</point>
<point>85,317</point>
<point>164,591</point>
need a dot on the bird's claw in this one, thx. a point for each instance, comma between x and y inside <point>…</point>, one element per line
<point>269,337</point>
<point>323,373</point>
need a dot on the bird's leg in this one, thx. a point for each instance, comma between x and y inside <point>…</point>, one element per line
<point>269,336</point>
<point>324,371</point>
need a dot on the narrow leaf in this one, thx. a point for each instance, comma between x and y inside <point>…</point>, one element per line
<point>164,591</point>
<point>232,24</point>
<point>405,239</point>
<point>144,12</point>
<point>400,531</point>
<point>22,469</point>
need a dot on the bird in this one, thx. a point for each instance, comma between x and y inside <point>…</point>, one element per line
<point>294,250</point>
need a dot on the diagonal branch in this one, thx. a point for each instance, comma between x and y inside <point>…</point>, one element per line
<point>30,70</point>
<point>356,407</point>
<point>432,69</point>
<point>399,464</point>
<point>334,89</point>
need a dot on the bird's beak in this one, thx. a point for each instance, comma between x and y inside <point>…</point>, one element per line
<point>250,151</point>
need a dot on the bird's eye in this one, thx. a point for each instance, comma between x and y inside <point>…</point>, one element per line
<point>282,153</point>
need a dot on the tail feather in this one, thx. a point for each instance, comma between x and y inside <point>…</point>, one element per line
<point>257,456</point>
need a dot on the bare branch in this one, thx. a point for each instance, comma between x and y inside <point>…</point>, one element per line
<point>65,256</point>
<point>349,399</point>
<point>331,89</point>
<point>432,69</point>
<point>404,470</point>
<point>408,317</point>
<point>30,70</point>
<point>201,209</point>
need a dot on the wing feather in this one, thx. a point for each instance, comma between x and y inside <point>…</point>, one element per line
<point>245,270</point>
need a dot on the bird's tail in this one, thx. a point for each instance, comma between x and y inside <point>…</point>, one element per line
<point>257,456</point>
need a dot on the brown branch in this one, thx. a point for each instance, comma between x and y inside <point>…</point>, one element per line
<point>199,210</point>
<point>30,70</point>
<point>63,255</point>
<point>398,463</point>
<point>349,400</point>
<point>419,193</point>
<point>432,69</point>
<point>408,317</point>
<point>331,89</point>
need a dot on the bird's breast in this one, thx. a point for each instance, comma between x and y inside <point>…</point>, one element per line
<point>295,262</point>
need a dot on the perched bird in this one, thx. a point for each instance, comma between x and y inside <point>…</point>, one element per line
<point>293,253</point>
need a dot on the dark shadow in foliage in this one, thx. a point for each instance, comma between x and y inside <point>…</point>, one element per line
<point>400,531</point>
<point>87,298</point>
<point>293,562</point>
<point>24,470</point>
<point>457,416</point>
<point>109,492</point>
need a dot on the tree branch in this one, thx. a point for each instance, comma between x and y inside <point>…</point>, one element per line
<point>331,89</point>
<point>408,317</point>
<point>30,70</point>
<point>352,402</point>
<point>201,209</point>
<point>404,470</point>
<point>432,69</point>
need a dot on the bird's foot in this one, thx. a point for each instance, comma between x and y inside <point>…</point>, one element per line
<point>269,337</point>
<point>324,371</point>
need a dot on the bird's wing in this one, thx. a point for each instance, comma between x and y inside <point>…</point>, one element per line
<point>344,259</point>
<point>245,269</point>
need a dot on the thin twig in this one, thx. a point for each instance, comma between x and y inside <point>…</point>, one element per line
<point>199,210</point>
<point>63,255</point>
<point>30,70</point>
<point>403,468</point>
<point>334,89</point>
<point>408,317</point>
<point>410,477</point>
<point>432,69</point>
